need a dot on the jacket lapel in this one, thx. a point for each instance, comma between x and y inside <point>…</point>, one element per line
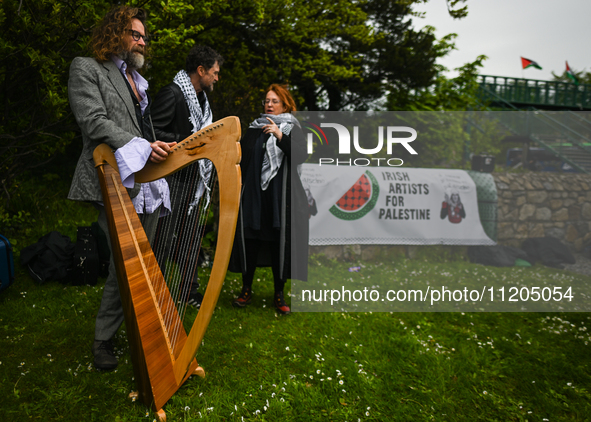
<point>116,78</point>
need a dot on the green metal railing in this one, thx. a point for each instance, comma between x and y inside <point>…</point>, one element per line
<point>540,94</point>
<point>566,134</point>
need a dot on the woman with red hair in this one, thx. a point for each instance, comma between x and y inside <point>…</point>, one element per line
<point>272,147</point>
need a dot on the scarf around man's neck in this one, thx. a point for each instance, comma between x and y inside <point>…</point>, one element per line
<point>199,119</point>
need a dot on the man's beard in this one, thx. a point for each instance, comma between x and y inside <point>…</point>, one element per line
<point>207,88</point>
<point>134,58</point>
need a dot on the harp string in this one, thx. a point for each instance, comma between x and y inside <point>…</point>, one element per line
<point>178,245</point>
<point>197,224</point>
<point>172,245</point>
<point>167,253</point>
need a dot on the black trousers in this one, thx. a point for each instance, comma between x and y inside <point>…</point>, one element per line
<point>253,247</point>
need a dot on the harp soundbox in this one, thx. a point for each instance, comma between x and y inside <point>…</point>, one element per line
<point>163,351</point>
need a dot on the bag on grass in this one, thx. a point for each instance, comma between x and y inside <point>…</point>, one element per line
<point>549,251</point>
<point>497,255</point>
<point>49,258</point>
<point>85,267</point>
<point>103,249</point>
<point>6,263</point>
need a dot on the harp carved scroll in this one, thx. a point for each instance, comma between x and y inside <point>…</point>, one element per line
<point>163,345</point>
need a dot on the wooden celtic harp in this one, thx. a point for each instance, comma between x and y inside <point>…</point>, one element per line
<point>163,361</point>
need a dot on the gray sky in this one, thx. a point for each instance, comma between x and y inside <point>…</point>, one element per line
<point>546,31</point>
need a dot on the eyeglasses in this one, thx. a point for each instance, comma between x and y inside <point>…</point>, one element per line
<point>136,36</point>
<point>274,102</point>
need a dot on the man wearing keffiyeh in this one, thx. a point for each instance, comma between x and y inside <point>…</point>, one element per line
<point>180,109</point>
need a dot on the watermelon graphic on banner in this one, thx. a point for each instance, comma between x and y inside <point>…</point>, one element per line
<point>360,199</point>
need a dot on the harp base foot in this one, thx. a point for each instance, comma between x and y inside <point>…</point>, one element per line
<point>161,415</point>
<point>199,371</point>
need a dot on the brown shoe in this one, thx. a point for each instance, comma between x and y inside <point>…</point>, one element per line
<point>280,304</point>
<point>244,299</point>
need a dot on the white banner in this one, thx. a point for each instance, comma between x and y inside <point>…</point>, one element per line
<point>392,206</point>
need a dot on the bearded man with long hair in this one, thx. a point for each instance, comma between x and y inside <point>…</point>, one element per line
<point>111,105</point>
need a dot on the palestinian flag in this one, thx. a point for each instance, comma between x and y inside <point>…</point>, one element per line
<point>525,63</point>
<point>571,74</point>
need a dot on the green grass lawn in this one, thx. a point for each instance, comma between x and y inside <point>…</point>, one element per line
<point>306,366</point>
<point>333,366</point>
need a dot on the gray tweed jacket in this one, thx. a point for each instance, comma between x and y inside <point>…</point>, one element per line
<point>103,109</point>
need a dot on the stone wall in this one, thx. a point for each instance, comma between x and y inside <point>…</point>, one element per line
<point>544,204</point>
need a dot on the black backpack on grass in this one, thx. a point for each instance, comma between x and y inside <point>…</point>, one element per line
<point>85,261</point>
<point>49,258</point>
<point>6,263</point>
<point>55,258</point>
<point>549,251</point>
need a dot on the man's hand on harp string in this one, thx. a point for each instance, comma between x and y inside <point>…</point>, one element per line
<point>160,151</point>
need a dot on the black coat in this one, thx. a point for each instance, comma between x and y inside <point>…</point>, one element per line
<point>171,120</point>
<point>282,209</point>
<point>170,114</point>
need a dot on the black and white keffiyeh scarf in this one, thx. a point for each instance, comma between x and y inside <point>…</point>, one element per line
<point>273,154</point>
<point>199,119</point>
